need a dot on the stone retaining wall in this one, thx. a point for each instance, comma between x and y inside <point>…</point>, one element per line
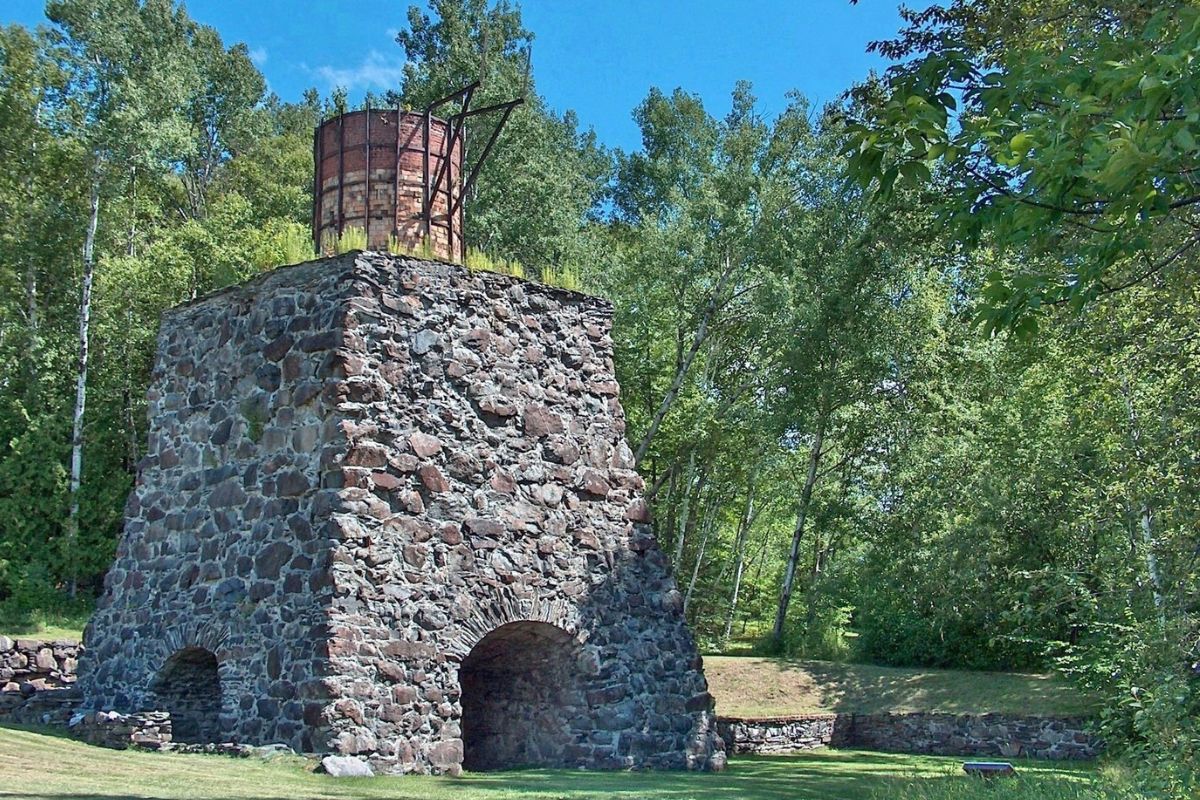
<point>776,734</point>
<point>37,681</point>
<point>40,664</point>
<point>1065,738</point>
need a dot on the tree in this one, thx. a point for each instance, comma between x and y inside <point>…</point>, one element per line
<point>40,209</point>
<point>1062,132</point>
<point>853,314</point>
<point>125,91</point>
<point>222,112</point>
<point>534,199</point>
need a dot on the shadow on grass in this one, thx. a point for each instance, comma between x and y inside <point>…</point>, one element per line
<point>51,769</point>
<point>845,775</point>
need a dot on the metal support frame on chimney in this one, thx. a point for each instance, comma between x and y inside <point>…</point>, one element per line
<point>457,126</point>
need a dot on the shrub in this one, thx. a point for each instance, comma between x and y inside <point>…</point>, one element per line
<point>827,638</point>
<point>1147,672</point>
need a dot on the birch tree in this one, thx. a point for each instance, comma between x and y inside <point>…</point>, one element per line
<point>126,65</point>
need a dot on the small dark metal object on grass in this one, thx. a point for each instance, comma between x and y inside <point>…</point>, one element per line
<point>988,769</point>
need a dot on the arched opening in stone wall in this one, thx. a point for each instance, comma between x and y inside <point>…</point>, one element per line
<point>520,692</point>
<point>189,688</point>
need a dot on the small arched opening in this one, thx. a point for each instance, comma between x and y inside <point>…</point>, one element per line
<point>189,688</point>
<point>519,696</point>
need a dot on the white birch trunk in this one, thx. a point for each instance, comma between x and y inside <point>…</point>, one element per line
<point>85,313</point>
<point>739,567</point>
<point>789,576</point>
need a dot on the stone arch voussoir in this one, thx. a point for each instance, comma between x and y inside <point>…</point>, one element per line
<point>506,607</point>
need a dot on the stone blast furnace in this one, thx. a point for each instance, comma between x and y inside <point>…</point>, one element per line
<point>388,511</point>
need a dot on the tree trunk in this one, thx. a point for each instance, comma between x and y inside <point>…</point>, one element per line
<point>814,575</point>
<point>758,562</point>
<point>1146,513</point>
<point>127,398</point>
<point>739,555</point>
<point>810,480</point>
<point>85,313</point>
<point>682,369</point>
<point>1156,583</point>
<point>31,316</point>
<point>709,519</point>
<point>31,286</point>
<point>684,515</point>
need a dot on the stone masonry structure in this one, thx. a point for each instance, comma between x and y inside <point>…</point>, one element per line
<point>388,511</point>
<point>931,733</point>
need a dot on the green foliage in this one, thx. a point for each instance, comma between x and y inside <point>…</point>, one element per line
<point>824,635</point>
<point>1055,129</point>
<point>201,185</point>
<point>45,616</point>
<point>283,242</point>
<point>256,419</point>
<point>1155,702</point>
<point>544,178</point>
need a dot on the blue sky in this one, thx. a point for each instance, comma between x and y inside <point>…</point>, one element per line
<point>598,57</point>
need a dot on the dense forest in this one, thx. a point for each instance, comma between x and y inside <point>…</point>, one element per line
<point>913,378</point>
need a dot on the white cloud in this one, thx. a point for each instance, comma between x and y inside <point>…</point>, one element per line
<point>376,71</point>
<point>259,56</point>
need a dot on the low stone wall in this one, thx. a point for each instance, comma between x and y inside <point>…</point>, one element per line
<point>1056,738</point>
<point>41,665</point>
<point>46,707</point>
<point>776,734</point>
<point>37,681</point>
<point>1002,735</point>
<point>149,730</point>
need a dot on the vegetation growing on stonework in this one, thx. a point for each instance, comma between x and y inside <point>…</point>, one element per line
<point>565,278</point>
<point>398,248</point>
<point>911,378</point>
<point>477,259</point>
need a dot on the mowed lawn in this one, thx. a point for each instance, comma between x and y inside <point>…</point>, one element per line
<point>766,687</point>
<point>41,766</point>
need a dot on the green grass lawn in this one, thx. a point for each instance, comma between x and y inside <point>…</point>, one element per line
<point>42,766</point>
<point>764,687</point>
<point>46,625</point>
